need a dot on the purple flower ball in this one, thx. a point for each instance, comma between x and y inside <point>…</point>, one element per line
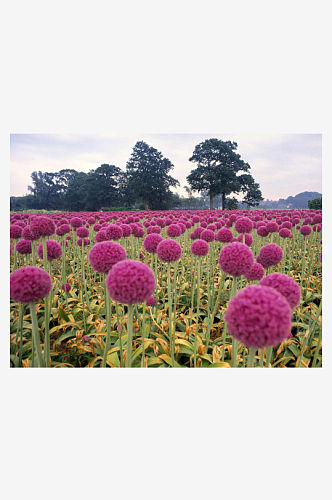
<point>76,222</point>
<point>200,248</point>
<point>244,225</point>
<point>96,227</point>
<point>248,239</point>
<point>208,235</point>
<point>139,233</point>
<point>42,226</point>
<point>82,232</point>
<point>30,284</point>
<point>317,219</point>
<point>66,286</point>
<point>173,231</point>
<point>259,316</point>
<point>287,224</point>
<point>153,230</point>
<point>272,227</point>
<point>151,301</point>
<point>305,230</point>
<point>285,232</point>
<point>130,282</point>
<point>285,285</point>
<point>270,255</point>
<point>101,236</point>
<point>15,232</point>
<point>236,259</point>
<point>197,232</point>
<point>126,230</point>
<point>256,273</point>
<point>62,230</point>
<point>83,241</point>
<point>53,250</point>
<point>24,247</point>
<point>169,250</point>
<point>85,338</point>
<point>27,234</point>
<point>113,232</point>
<point>151,242</point>
<point>224,235</point>
<point>104,255</point>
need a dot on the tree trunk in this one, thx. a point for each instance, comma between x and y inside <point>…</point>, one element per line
<point>223,196</point>
<point>211,202</point>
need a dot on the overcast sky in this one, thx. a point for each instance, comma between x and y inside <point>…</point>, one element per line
<point>283,164</point>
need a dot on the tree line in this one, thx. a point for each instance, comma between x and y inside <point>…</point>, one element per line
<point>146,183</point>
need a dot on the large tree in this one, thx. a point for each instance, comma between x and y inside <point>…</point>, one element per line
<point>253,195</point>
<point>148,177</point>
<point>217,168</point>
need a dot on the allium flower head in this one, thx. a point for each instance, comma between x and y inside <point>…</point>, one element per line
<point>113,232</point>
<point>126,230</point>
<point>259,316</point>
<point>139,233</point>
<point>173,231</point>
<point>104,255</point>
<point>101,236</point>
<point>153,230</point>
<point>83,241</point>
<point>305,230</point>
<point>272,227</point>
<point>66,286</point>
<point>151,242</point>
<point>236,259</point>
<point>24,247</point>
<point>256,273</point>
<point>27,234</point>
<point>317,219</point>
<point>53,250</point>
<point>287,224</point>
<point>29,284</point>
<point>285,285</point>
<point>245,238</point>
<point>169,250</point>
<point>42,226</point>
<point>208,235</point>
<point>198,231</point>
<point>200,248</point>
<point>224,235</point>
<point>151,301</point>
<point>284,232</point>
<point>270,255</point>
<point>82,232</point>
<point>15,232</point>
<point>62,230</point>
<point>85,338</point>
<point>76,222</point>
<point>244,225</point>
<point>130,282</point>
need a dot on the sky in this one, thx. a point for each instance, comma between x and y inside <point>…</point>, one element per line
<point>283,164</point>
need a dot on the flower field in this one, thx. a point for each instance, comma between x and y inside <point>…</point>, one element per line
<point>189,289</point>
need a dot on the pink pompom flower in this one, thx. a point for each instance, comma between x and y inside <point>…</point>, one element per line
<point>104,255</point>
<point>173,231</point>
<point>42,226</point>
<point>236,259</point>
<point>24,247</point>
<point>224,235</point>
<point>130,282</point>
<point>66,287</point>
<point>30,284</point>
<point>53,250</point>
<point>285,285</point>
<point>244,225</point>
<point>151,242</point>
<point>169,250</point>
<point>113,232</point>
<point>82,232</point>
<point>256,273</point>
<point>15,232</point>
<point>208,235</point>
<point>200,248</point>
<point>270,255</point>
<point>259,316</point>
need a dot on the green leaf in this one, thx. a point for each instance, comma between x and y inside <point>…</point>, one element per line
<point>65,336</point>
<point>114,359</point>
<point>63,314</point>
<point>219,365</point>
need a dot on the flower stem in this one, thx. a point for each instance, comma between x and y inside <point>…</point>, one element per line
<point>235,342</point>
<point>108,328</point>
<point>198,300</point>
<point>35,333</point>
<point>143,336</point>
<point>170,330</point>
<point>251,357</point>
<point>129,335</point>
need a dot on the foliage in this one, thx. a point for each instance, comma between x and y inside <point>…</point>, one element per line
<point>148,177</point>
<point>315,204</point>
<point>217,168</point>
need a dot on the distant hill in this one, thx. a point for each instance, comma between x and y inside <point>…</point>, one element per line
<point>298,201</point>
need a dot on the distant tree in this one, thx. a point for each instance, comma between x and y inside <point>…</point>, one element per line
<point>148,177</point>
<point>74,199</point>
<point>190,203</point>
<point>101,187</point>
<point>231,204</point>
<point>253,195</point>
<point>217,168</point>
<point>315,204</point>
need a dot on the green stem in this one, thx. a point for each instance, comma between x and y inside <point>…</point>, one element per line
<point>235,342</point>
<point>198,300</point>
<point>108,328</point>
<point>129,335</point>
<point>251,357</point>
<point>143,336</point>
<point>35,333</point>
<point>268,356</point>
<point>170,332</point>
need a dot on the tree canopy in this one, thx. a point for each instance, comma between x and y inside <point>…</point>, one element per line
<point>148,177</point>
<point>217,168</point>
